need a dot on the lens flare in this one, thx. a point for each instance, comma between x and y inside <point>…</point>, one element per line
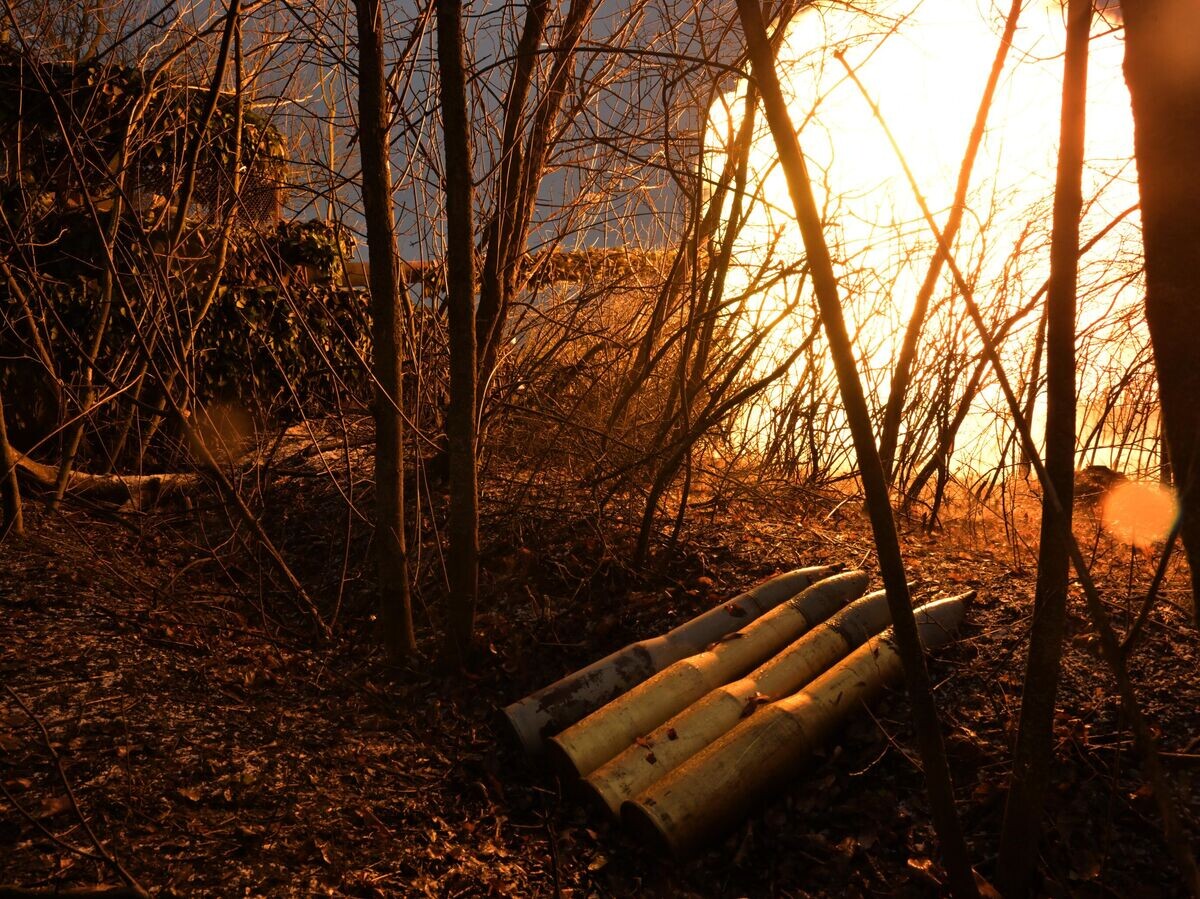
<point>1139,512</point>
<point>223,428</point>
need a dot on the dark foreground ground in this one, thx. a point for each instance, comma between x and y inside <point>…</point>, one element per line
<point>215,749</point>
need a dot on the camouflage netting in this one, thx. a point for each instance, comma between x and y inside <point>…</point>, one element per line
<point>67,130</point>
<point>277,334</point>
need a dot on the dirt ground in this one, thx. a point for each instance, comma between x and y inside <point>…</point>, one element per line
<point>214,747</point>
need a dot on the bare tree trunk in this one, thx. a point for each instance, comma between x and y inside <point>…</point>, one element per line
<point>463,528</point>
<point>1144,739</point>
<point>75,435</point>
<point>192,153</point>
<point>1035,737</point>
<point>523,168</point>
<point>10,491</point>
<point>891,564</point>
<point>1164,457</point>
<point>1031,394</point>
<point>964,406</point>
<point>500,229</point>
<point>1161,70</point>
<point>394,599</point>
<point>211,291</point>
<point>902,376</point>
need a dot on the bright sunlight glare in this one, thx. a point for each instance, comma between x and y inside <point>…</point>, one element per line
<point>926,65</point>
<point>1139,512</point>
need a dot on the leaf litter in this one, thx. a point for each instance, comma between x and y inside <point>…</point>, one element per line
<point>216,751</point>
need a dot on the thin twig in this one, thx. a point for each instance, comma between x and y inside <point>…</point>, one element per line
<point>101,852</point>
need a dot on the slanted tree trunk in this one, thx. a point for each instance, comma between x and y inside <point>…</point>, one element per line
<point>901,378</point>
<point>395,602</point>
<point>961,881</point>
<point>523,165</point>
<point>463,529</point>
<point>502,228</point>
<point>1035,737</point>
<point>10,492</point>
<point>1162,69</point>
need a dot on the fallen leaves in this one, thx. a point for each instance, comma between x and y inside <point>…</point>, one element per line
<point>54,805</point>
<point>316,783</point>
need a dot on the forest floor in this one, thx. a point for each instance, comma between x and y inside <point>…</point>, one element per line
<point>215,748</point>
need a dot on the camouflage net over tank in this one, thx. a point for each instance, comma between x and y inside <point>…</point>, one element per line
<point>70,131</point>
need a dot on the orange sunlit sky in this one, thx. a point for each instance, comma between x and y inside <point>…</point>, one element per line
<point>925,65</point>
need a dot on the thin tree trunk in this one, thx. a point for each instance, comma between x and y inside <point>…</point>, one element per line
<point>891,564</point>
<point>212,289</point>
<point>463,527</point>
<point>10,491</point>
<point>1174,834</point>
<point>691,380</point>
<point>520,196</point>
<point>1161,37</point>
<point>499,231</point>
<point>1035,737</point>
<point>192,152</point>
<point>902,376</point>
<point>395,602</point>
<point>75,435</point>
<point>1035,371</point>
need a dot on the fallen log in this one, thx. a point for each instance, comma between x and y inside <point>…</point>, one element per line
<point>585,746</point>
<point>141,491</point>
<point>18,892</point>
<point>711,792</point>
<point>569,699</point>
<point>664,749</point>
